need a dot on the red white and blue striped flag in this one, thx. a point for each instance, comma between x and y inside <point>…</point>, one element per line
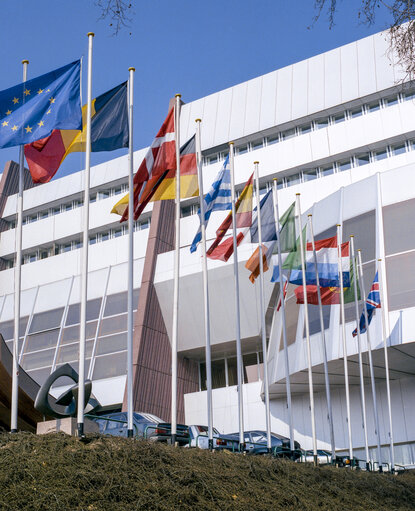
<point>372,303</point>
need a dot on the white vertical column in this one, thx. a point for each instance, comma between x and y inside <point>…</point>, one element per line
<point>175,329</point>
<point>85,245</point>
<point>17,284</point>
<point>359,348</point>
<point>346,369</point>
<point>284,323</point>
<point>130,305</point>
<point>369,350</point>
<point>205,285</point>
<point>307,333</point>
<point>239,364</point>
<point>323,342</point>
<point>386,335</point>
<point>262,309</point>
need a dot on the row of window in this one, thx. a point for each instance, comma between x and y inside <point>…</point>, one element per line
<point>314,125</point>
<point>73,204</point>
<point>224,371</point>
<point>308,174</point>
<point>61,248</point>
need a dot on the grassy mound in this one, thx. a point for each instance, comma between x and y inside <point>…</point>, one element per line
<point>57,472</point>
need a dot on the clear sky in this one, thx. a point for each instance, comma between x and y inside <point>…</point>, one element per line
<point>189,46</point>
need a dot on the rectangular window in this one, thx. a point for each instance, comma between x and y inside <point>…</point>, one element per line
<point>77,244</point>
<point>104,194</point>
<point>338,118</point>
<point>67,247</point>
<point>93,197</point>
<point>399,149</point>
<point>71,333</point>
<point>42,340</point>
<point>56,210</point>
<point>302,130</point>
<point>117,190</point>
<point>321,123</point>
<point>327,170</point>
<point>242,149</point>
<point>116,304</point>
<point>112,344</point>
<point>309,175</point>
<point>105,236</point>
<point>117,232</point>
<point>344,165</point>
<point>93,240</point>
<point>391,101</point>
<point>285,135</point>
<point>92,311</point>
<point>68,206</point>
<point>212,159</point>
<point>145,224</point>
<point>186,211</point>
<point>381,155</point>
<point>46,320</point>
<point>43,214</point>
<point>356,112</point>
<point>43,254</point>
<point>250,364</point>
<point>108,366</point>
<point>362,159</point>
<point>40,359</point>
<point>408,96</point>
<point>257,144</point>
<point>113,325</point>
<point>293,180</point>
<point>273,139</point>
<point>373,107</point>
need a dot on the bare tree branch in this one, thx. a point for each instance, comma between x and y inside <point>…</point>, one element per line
<point>118,12</point>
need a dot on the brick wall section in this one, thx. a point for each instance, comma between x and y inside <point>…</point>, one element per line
<point>151,345</point>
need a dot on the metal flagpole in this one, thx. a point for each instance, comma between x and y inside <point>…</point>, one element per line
<point>324,346</point>
<point>85,244</point>
<point>307,334</point>
<point>346,370</point>
<point>369,350</point>
<point>385,349</point>
<point>130,305</point>
<point>284,323</point>
<point>17,284</point>
<point>359,348</point>
<point>205,285</point>
<point>175,329</point>
<point>237,305</point>
<point>263,327</point>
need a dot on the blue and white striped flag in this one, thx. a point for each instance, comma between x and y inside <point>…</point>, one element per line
<point>217,199</point>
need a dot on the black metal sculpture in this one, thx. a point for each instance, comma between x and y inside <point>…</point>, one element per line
<point>67,402</point>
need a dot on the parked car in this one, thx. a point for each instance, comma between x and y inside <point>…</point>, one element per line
<point>199,438</point>
<point>323,457</point>
<point>162,433</point>
<point>256,443</point>
<point>117,423</point>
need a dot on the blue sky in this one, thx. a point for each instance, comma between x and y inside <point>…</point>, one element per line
<point>187,46</point>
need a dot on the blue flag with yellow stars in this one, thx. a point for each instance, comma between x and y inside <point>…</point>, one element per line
<point>31,110</point>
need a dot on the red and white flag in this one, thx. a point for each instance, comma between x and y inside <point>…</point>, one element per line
<point>160,158</point>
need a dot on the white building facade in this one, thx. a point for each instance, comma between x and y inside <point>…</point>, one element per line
<point>338,128</point>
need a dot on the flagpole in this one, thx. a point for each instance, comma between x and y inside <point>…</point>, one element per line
<point>205,285</point>
<point>385,349</point>
<point>175,329</point>
<point>324,346</point>
<point>130,305</point>
<point>237,305</point>
<point>18,284</point>
<point>307,334</point>
<point>284,323</point>
<point>346,370</point>
<point>85,244</point>
<point>262,305</point>
<point>359,347</point>
<point>369,350</point>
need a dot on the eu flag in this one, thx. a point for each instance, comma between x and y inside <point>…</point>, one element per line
<point>31,110</point>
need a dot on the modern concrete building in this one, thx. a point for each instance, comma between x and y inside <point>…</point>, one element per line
<point>339,128</point>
